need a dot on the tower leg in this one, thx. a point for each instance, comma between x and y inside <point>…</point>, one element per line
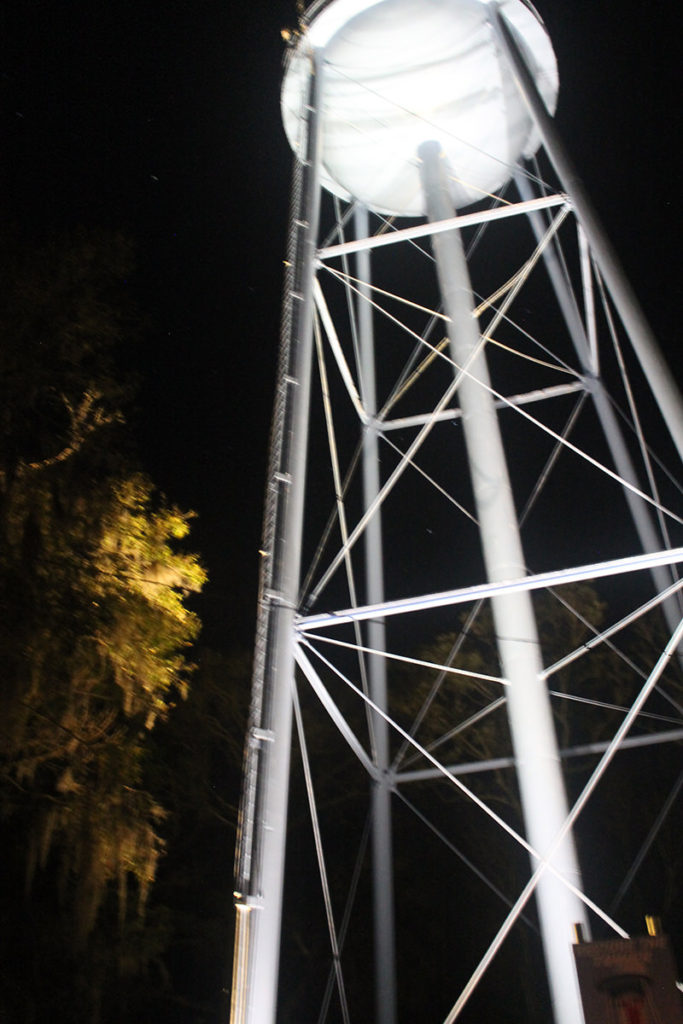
<point>383,871</point>
<point>539,772</point>
<point>263,811</point>
<point>640,513</point>
<point>645,345</point>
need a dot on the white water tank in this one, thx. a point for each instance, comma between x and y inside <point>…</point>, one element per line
<point>401,72</point>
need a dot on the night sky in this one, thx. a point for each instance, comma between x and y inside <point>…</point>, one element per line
<point>162,119</point>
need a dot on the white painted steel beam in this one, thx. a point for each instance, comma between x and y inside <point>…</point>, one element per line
<point>460,595</point>
<point>496,763</point>
<point>530,398</point>
<point>539,774</point>
<point>461,220</point>
<point>323,695</point>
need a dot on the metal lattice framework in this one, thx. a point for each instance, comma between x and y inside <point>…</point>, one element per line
<point>373,582</point>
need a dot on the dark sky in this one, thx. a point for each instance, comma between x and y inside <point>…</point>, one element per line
<point>163,119</point>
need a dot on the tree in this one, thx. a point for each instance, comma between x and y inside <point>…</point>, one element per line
<point>197,772</point>
<point>95,629</point>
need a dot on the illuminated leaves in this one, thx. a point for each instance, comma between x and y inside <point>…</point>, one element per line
<point>95,628</point>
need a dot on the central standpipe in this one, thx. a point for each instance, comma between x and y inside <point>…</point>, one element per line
<point>539,772</point>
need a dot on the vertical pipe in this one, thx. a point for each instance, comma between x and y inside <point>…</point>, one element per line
<point>533,736</point>
<point>645,345</point>
<point>261,856</point>
<point>382,856</point>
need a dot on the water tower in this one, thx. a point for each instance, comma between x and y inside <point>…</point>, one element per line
<point>418,122</point>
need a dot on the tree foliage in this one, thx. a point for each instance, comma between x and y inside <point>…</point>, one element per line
<point>95,629</point>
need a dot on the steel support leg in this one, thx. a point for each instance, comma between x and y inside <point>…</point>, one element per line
<point>645,345</point>
<point>382,856</point>
<point>639,510</point>
<point>263,812</point>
